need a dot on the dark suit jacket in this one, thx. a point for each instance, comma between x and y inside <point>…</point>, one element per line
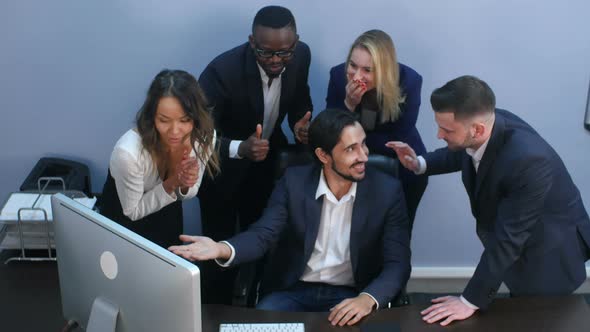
<point>403,129</point>
<point>530,216</point>
<point>379,237</point>
<point>233,88</point>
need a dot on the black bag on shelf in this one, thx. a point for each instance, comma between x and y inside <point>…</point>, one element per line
<point>75,175</point>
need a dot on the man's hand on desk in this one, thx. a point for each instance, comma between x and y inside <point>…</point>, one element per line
<point>350,311</point>
<point>449,307</point>
<point>201,248</point>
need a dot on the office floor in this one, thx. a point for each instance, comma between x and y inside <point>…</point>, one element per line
<point>32,307</point>
<point>26,309</point>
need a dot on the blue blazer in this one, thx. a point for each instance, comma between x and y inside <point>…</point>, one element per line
<point>530,217</point>
<point>403,129</point>
<point>379,236</point>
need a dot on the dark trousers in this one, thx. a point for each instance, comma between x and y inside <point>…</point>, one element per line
<point>228,207</point>
<point>307,296</point>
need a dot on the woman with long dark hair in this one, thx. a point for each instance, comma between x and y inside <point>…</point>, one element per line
<point>161,161</point>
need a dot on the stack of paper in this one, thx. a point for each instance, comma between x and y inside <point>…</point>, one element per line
<point>25,200</point>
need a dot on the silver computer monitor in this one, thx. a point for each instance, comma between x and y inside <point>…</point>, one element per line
<point>587,116</point>
<point>112,279</point>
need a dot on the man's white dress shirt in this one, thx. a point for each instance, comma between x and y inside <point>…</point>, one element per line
<point>330,261</point>
<point>272,99</point>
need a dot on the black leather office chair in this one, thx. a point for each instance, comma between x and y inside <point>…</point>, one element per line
<point>248,280</point>
<point>296,155</point>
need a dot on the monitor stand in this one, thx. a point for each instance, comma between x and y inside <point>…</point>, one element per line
<point>103,316</point>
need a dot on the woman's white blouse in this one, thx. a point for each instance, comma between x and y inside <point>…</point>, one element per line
<point>138,183</point>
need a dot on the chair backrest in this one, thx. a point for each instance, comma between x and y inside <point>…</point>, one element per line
<point>291,155</point>
<point>384,164</point>
<point>294,155</point>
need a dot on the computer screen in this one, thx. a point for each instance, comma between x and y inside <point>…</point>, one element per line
<point>109,275</point>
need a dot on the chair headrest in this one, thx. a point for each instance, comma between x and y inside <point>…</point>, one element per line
<point>385,164</point>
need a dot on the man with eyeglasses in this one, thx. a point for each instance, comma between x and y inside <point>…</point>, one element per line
<point>251,88</point>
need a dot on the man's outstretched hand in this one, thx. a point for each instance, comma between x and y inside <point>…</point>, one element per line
<point>201,248</point>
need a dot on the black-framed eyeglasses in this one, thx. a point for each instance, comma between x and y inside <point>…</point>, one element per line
<point>267,54</point>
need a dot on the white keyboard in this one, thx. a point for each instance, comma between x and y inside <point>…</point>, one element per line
<point>262,327</point>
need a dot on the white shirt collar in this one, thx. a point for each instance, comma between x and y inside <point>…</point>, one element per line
<point>476,155</point>
<point>265,77</point>
<point>323,189</point>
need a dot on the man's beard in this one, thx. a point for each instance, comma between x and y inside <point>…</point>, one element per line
<point>345,176</point>
<point>464,145</point>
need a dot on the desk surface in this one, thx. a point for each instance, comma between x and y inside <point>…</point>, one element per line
<point>560,314</point>
<point>31,302</point>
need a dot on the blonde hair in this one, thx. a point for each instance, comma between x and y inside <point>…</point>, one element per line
<point>386,71</point>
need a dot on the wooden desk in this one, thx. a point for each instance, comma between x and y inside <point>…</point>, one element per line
<point>559,314</point>
<point>30,301</point>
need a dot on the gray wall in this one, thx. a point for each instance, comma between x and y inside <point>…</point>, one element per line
<point>73,74</point>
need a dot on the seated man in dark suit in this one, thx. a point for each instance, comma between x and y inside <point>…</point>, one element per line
<point>251,89</point>
<point>530,217</point>
<point>338,231</point>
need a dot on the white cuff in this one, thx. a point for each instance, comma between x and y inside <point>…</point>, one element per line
<point>421,165</point>
<point>227,263</point>
<point>467,303</point>
<point>179,194</point>
<point>164,193</point>
<point>371,296</point>
<point>233,149</point>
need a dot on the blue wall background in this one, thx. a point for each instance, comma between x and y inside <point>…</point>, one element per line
<point>73,74</point>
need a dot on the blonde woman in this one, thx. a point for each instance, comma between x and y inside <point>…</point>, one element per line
<point>161,161</point>
<point>386,95</point>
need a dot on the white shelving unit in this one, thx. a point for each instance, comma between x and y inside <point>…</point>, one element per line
<point>27,230</point>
